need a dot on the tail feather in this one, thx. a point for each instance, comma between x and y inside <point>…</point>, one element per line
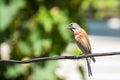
<point>89,67</point>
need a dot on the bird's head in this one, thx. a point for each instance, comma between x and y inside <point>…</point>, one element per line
<point>74,27</point>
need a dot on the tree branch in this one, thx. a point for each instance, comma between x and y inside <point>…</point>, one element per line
<point>60,58</point>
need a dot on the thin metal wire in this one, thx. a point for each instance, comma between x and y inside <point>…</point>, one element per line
<point>60,58</point>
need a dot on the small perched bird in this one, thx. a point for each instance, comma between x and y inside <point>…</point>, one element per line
<point>83,43</point>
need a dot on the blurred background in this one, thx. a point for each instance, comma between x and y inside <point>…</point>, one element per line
<point>38,28</point>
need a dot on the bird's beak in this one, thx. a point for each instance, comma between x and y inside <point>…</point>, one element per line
<point>70,26</point>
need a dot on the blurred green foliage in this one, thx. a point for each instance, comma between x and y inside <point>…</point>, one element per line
<point>38,28</point>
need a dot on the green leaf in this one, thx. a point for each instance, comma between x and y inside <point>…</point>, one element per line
<point>64,32</point>
<point>57,14</point>
<point>24,47</point>
<point>44,18</point>
<point>73,50</point>
<point>34,35</point>
<point>8,12</point>
<point>47,43</point>
<point>37,48</point>
<point>14,71</point>
<point>44,73</point>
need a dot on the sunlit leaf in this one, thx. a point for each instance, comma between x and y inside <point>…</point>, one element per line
<point>37,47</point>
<point>47,43</point>
<point>14,71</point>
<point>73,50</point>
<point>85,5</point>
<point>65,33</point>
<point>44,73</point>
<point>57,14</point>
<point>34,35</point>
<point>8,12</point>
<point>44,18</point>
<point>24,47</point>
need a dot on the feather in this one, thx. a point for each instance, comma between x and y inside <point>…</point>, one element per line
<point>83,43</point>
<point>89,67</point>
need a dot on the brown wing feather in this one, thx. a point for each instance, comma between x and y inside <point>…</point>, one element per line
<point>87,41</point>
<point>89,46</point>
<point>83,42</point>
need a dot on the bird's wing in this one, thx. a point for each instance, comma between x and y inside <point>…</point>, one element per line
<point>84,43</point>
<point>87,42</point>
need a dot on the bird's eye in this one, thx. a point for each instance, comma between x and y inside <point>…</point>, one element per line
<point>71,24</point>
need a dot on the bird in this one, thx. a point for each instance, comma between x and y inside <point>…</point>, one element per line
<point>83,43</point>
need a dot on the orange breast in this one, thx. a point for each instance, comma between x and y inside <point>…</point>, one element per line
<point>79,34</point>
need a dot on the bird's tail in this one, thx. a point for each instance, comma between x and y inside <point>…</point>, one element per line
<point>92,57</point>
<point>89,67</point>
